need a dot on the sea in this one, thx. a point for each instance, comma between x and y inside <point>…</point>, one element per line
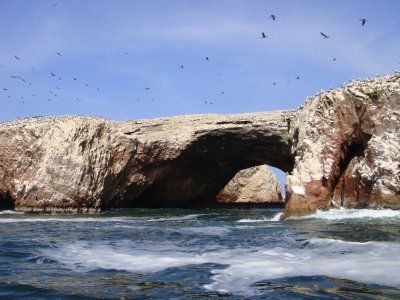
<point>201,254</point>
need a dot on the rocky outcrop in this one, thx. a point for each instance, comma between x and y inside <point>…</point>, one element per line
<point>252,185</point>
<point>346,145</point>
<point>83,164</point>
<point>341,148</point>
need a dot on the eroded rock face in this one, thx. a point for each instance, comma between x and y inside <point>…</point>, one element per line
<point>346,146</point>
<point>83,164</point>
<point>252,185</point>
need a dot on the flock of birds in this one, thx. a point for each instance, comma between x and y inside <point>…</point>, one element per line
<point>54,76</point>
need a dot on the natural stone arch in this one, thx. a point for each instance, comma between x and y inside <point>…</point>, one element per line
<point>77,163</point>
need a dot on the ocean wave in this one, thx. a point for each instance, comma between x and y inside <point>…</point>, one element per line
<point>10,212</point>
<point>344,213</point>
<point>275,218</point>
<point>370,262</point>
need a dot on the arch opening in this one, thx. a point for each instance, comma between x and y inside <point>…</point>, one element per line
<point>196,177</point>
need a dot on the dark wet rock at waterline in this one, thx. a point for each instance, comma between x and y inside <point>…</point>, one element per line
<point>341,148</point>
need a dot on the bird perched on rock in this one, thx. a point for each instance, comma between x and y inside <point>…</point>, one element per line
<point>325,35</point>
<point>363,21</point>
<point>273,17</point>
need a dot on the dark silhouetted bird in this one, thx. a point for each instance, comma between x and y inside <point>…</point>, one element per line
<point>273,17</point>
<point>52,74</point>
<point>147,88</point>
<point>18,77</point>
<point>55,4</point>
<point>363,21</point>
<point>86,84</point>
<point>222,92</point>
<point>58,53</point>
<point>16,57</point>
<point>263,35</point>
<point>126,53</point>
<point>181,66</point>
<point>298,77</point>
<point>4,89</point>
<point>325,35</point>
<point>334,59</point>
<point>274,83</point>
<point>207,58</point>
<point>74,78</point>
<point>98,89</point>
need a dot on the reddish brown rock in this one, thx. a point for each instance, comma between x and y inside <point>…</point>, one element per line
<point>346,146</point>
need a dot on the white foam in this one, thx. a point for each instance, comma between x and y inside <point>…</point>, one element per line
<point>182,218</point>
<point>371,262</point>
<point>10,212</point>
<point>252,220</point>
<point>342,213</point>
<point>57,219</point>
<point>277,217</point>
<point>94,219</point>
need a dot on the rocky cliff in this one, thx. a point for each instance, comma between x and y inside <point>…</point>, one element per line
<point>341,148</point>
<point>83,164</point>
<point>252,185</point>
<point>346,145</point>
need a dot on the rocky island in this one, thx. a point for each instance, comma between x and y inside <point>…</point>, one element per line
<point>341,148</point>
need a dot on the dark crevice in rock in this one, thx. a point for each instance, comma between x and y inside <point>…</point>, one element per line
<point>6,201</point>
<point>349,151</point>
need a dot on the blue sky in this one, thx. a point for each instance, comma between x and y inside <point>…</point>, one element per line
<point>159,36</point>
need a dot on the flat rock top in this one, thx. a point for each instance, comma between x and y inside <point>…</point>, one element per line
<point>175,128</point>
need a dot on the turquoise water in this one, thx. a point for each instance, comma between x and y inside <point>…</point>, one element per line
<point>181,254</point>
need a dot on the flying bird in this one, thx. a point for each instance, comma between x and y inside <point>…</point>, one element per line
<point>126,53</point>
<point>207,58</point>
<point>16,57</point>
<point>74,78</point>
<point>181,66</point>
<point>52,74</point>
<point>55,4</point>
<point>58,53</point>
<point>274,83</point>
<point>98,89</point>
<point>298,77</point>
<point>273,17</point>
<point>4,89</point>
<point>263,35</point>
<point>147,88</point>
<point>18,77</point>
<point>86,84</point>
<point>363,21</point>
<point>325,35</point>
<point>334,59</point>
